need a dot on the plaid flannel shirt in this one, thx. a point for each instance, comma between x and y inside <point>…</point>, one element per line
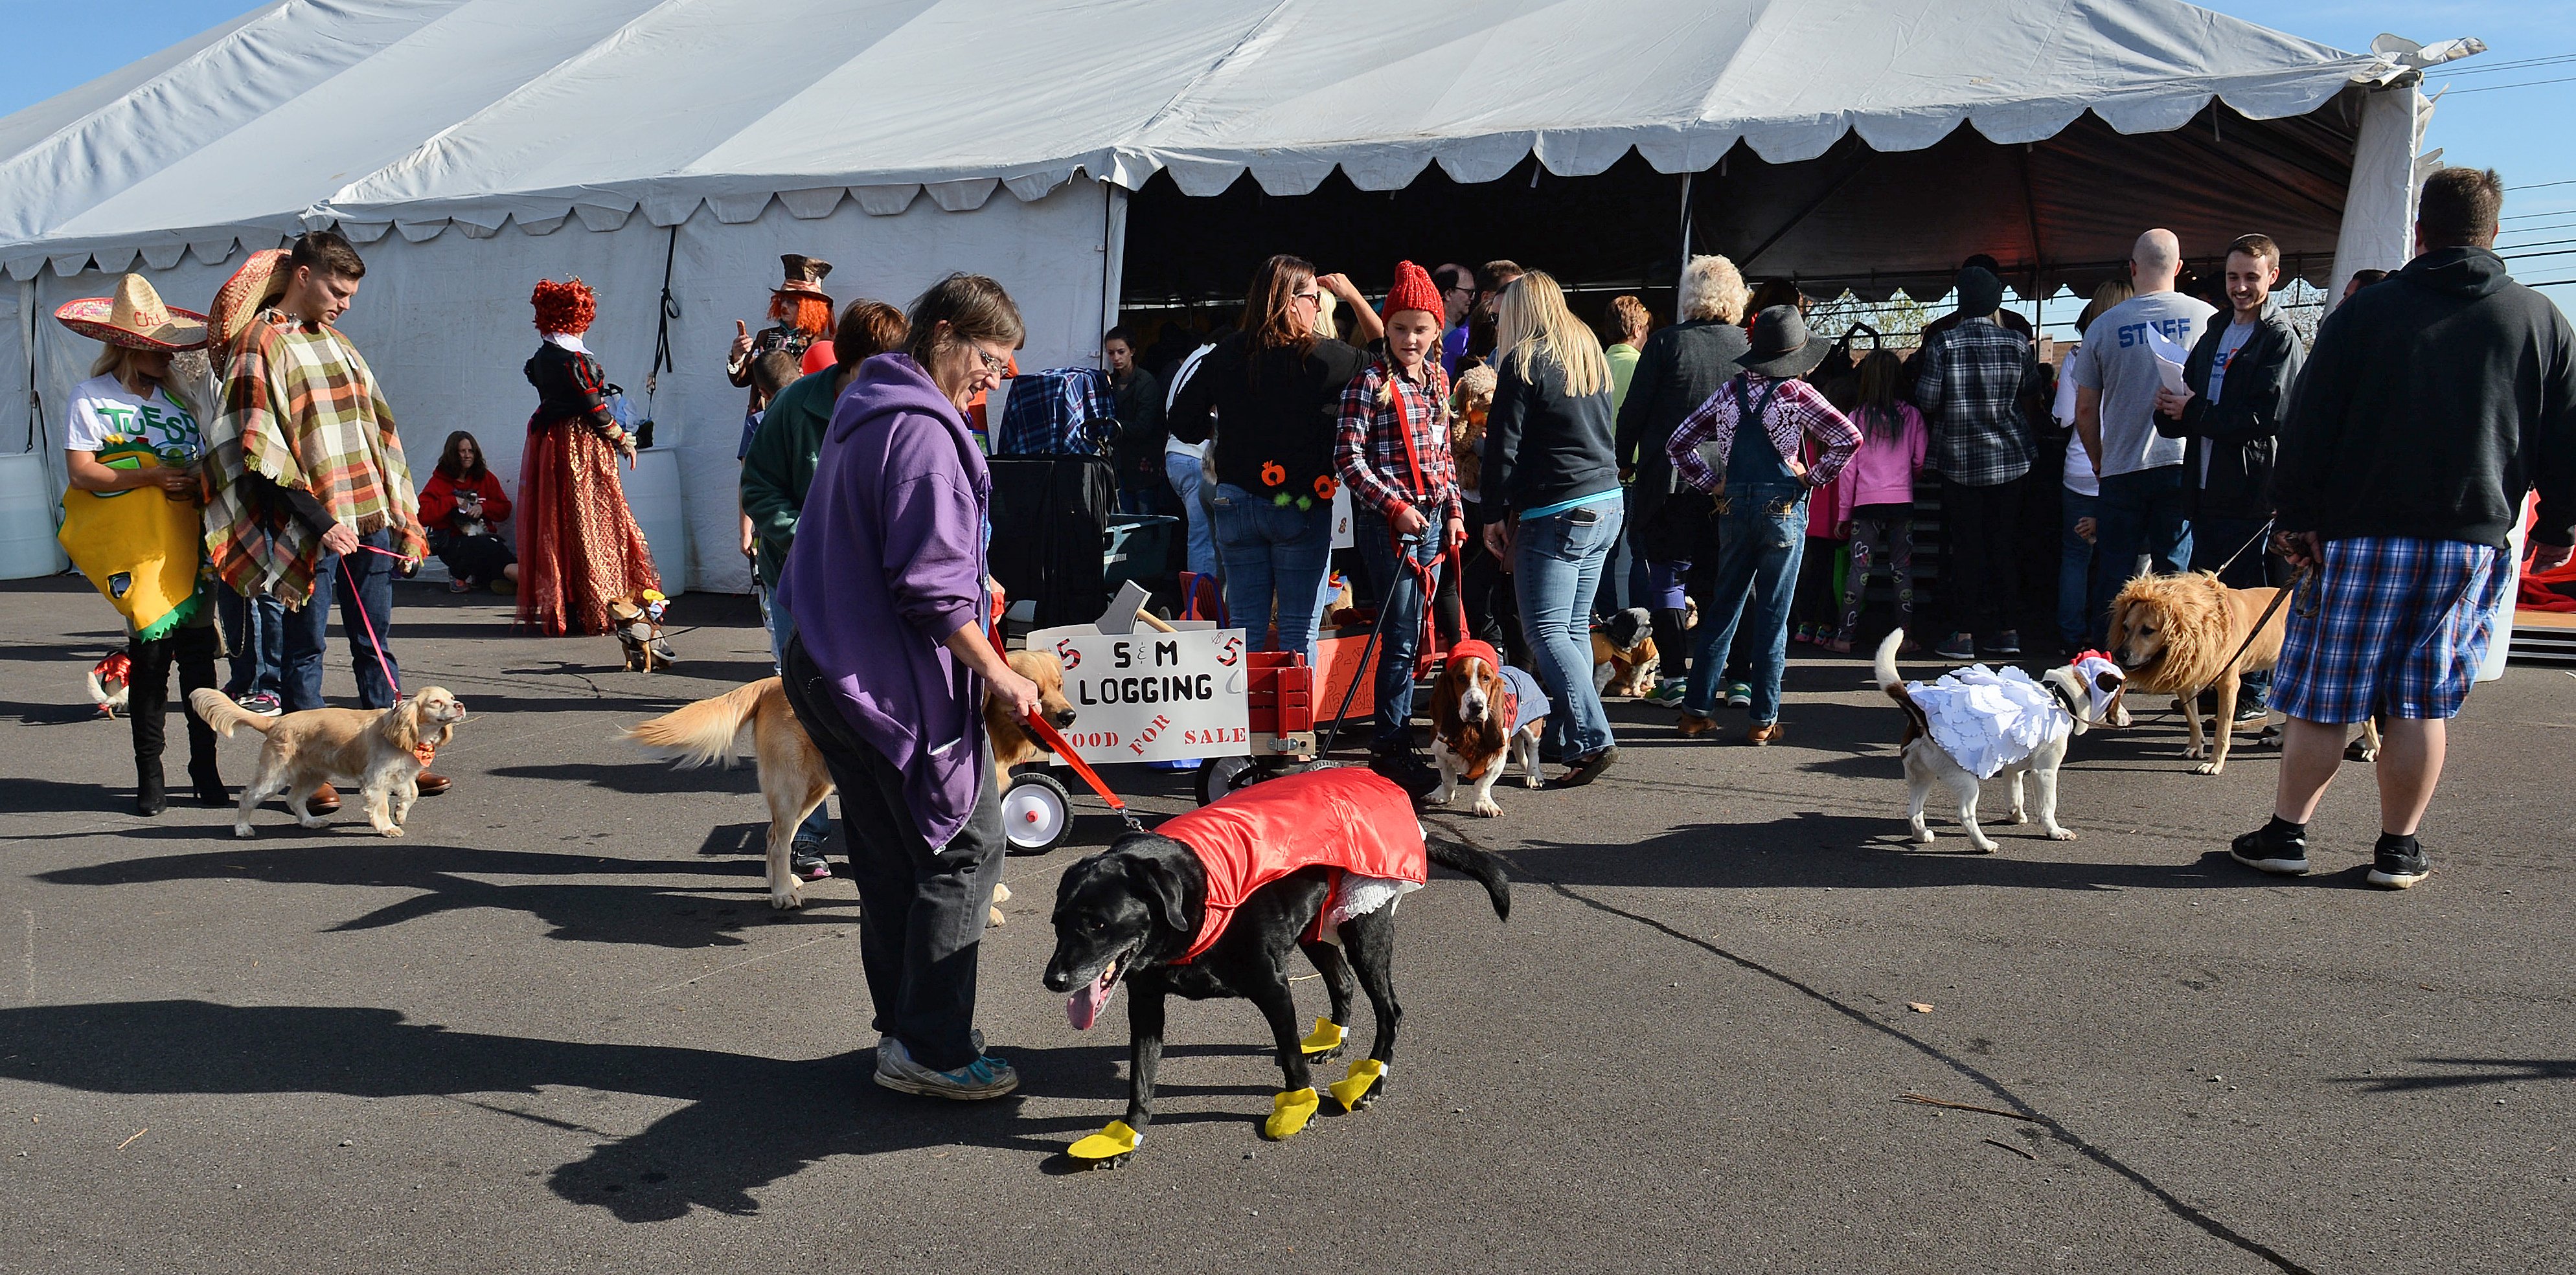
<point>302,409</point>
<point>1369,441</point>
<point>1969,388</point>
<point>1796,411</point>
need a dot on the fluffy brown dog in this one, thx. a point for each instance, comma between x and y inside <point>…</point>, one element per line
<point>382,750</point>
<point>793,778</point>
<point>2173,635</point>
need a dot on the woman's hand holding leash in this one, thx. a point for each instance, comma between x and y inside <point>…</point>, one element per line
<point>1408,522</point>
<point>976,651</point>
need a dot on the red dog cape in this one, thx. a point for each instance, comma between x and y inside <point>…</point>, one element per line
<point>1350,819</point>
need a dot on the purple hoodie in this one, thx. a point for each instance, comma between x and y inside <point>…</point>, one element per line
<point>888,561</point>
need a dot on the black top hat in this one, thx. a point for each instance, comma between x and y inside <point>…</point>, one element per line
<point>1781,345</point>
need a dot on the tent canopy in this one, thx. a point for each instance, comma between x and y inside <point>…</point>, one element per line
<point>426,113</point>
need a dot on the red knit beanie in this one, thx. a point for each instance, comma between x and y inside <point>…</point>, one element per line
<point>1414,290</point>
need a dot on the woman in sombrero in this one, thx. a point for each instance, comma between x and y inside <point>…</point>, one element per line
<point>131,519</point>
<point>579,547</point>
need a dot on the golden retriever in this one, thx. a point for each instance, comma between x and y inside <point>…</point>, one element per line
<point>382,750</point>
<point>793,778</point>
<point>2174,635</point>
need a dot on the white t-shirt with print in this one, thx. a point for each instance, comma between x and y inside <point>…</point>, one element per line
<point>2118,359</point>
<point>2229,343</point>
<point>102,408</point>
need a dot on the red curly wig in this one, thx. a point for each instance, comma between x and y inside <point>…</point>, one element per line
<point>805,312</point>
<point>564,307</point>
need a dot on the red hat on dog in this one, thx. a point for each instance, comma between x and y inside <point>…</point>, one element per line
<point>1413,290</point>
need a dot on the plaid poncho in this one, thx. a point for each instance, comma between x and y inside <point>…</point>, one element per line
<point>301,408</point>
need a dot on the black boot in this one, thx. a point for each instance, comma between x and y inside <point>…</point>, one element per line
<point>147,709</point>
<point>196,658</point>
<point>1672,642</point>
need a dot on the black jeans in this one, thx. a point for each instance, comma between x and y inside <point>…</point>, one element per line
<point>921,910</point>
<point>1981,555</point>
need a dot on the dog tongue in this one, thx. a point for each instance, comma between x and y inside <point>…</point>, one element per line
<point>1083,1007</point>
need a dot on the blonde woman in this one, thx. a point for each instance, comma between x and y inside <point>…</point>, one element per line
<point>1677,369</point>
<point>1549,462</point>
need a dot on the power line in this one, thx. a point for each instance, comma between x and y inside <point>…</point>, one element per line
<point>2490,88</point>
<point>2519,64</point>
<point>2538,185</point>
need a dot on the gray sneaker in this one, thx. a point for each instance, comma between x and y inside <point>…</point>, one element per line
<point>985,1077</point>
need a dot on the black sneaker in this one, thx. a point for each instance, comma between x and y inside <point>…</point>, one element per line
<point>805,859</point>
<point>2007,642</point>
<point>2396,868</point>
<point>1407,772</point>
<point>2268,849</point>
<point>1587,768</point>
<point>2252,713</point>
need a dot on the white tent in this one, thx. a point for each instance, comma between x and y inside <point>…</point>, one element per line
<point>473,146</point>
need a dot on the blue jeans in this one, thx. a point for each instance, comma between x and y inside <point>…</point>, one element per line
<point>1556,568</point>
<point>1185,473</point>
<point>2075,557</point>
<point>255,633</point>
<point>1276,556</point>
<point>2139,513</point>
<point>1401,599</point>
<point>1762,535</point>
<point>369,604</point>
<point>816,832</point>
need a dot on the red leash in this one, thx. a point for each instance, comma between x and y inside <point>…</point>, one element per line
<point>368,622</point>
<point>1052,738</point>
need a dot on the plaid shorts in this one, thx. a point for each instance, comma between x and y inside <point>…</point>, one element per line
<point>2402,627</point>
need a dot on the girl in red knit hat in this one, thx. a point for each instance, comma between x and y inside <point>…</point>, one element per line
<point>1392,451</point>
<point>579,547</point>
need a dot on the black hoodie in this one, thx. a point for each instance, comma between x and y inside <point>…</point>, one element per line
<point>2432,401</point>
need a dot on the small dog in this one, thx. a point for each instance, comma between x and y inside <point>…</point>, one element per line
<point>2175,634</point>
<point>1928,764</point>
<point>382,750</point>
<point>1483,713</point>
<point>1624,660</point>
<point>107,680</point>
<point>637,621</point>
<point>793,778</point>
<point>1316,861</point>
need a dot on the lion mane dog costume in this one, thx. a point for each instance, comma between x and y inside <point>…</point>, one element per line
<point>2176,634</point>
<point>793,778</point>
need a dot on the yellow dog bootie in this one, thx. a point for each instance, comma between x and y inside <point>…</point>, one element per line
<point>1361,1087</point>
<point>1327,1037</point>
<point>1108,1147</point>
<point>1289,1113</point>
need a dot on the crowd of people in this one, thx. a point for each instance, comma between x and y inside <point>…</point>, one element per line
<point>1515,477</point>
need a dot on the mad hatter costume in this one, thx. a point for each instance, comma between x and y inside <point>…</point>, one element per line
<point>131,521</point>
<point>804,315</point>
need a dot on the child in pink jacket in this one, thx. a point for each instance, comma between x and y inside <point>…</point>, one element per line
<point>1874,498</point>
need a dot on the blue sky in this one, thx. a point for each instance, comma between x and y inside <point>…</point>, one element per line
<point>2482,122</point>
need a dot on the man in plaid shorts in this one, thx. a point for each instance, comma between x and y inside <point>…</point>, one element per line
<point>2431,403</point>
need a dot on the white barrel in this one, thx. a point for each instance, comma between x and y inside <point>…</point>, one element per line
<point>2500,637</point>
<point>27,502</point>
<point>653,492</point>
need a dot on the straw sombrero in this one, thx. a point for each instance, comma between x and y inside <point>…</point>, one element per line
<point>237,302</point>
<point>134,318</point>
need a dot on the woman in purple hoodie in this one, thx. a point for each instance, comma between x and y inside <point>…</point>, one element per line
<point>888,672</point>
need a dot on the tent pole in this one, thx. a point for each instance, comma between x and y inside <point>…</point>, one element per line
<point>1684,271</point>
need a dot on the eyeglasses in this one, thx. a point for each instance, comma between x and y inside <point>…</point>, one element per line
<point>998,365</point>
<point>1310,298</point>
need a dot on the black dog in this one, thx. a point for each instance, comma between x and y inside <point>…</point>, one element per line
<point>1129,911</point>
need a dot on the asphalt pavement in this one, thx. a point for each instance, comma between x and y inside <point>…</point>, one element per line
<point>557,1027</point>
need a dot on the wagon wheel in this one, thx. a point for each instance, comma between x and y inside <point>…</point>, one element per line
<point>1037,815</point>
<point>1222,775</point>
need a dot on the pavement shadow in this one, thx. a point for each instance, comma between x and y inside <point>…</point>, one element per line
<point>692,910</point>
<point>2488,1071</point>
<point>643,775</point>
<point>1811,850</point>
<point>738,1133</point>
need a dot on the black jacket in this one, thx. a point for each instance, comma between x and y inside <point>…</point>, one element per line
<point>1677,370</point>
<point>1277,431</point>
<point>1543,445</point>
<point>2238,431</point>
<point>2431,402</point>
<point>1138,450</point>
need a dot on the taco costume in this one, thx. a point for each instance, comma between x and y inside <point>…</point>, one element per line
<point>141,546</point>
